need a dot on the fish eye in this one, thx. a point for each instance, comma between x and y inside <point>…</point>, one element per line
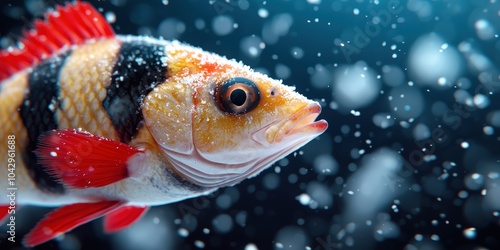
<point>237,96</point>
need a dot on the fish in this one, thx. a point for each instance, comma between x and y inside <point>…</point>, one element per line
<point>97,124</point>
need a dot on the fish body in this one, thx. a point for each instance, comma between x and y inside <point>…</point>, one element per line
<point>107,125</point>
<point>77,90</point>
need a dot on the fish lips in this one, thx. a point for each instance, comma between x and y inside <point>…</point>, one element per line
<point>299,126</point>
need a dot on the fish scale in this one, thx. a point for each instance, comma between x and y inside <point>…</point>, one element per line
<point>142,67</point>
<point>38,116</point>
<point>11,98</point>
<point>83,82</point>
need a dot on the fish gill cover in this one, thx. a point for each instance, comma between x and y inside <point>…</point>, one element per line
<point>412,156</point>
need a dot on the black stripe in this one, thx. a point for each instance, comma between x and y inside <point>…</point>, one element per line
<point>141,65</point>
<point>38,112</point>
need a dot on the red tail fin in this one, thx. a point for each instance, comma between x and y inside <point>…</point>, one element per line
<point>68,25</point>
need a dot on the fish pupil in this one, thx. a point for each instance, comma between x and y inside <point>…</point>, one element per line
<point>238,97</point>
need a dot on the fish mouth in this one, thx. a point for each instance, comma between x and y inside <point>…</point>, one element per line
<point>301,122</point>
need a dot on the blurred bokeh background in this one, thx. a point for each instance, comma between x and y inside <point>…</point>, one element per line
<point>411,159</point>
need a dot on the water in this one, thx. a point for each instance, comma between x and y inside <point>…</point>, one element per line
<point>410,89</point>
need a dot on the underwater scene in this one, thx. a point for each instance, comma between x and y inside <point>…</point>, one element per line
<point>411,156</point>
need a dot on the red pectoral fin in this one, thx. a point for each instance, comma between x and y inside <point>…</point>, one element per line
<point>4,212</point>
<point>123,217</point>
<point>82,160</point>
<point>66,218</point>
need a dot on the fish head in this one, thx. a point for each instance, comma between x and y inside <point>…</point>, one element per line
<point>219,122</point>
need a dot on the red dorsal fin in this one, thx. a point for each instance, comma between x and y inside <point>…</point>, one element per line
<point>82,160</point>
<point>69,25</point>
<point>66,218</point>
<point>123,217</point>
